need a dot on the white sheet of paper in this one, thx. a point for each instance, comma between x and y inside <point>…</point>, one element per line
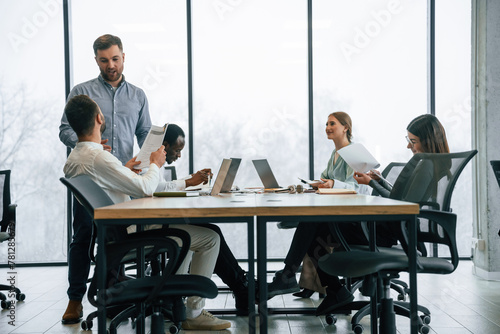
<point>152,143</point>
<point>358,157</point>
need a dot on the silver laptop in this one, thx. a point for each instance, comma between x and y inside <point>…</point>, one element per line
<point>265,173</point>
<point>231,174</point>
<point>221,177</point>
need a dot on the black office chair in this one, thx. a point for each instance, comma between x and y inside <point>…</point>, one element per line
<point>441,172</point>
<point>384,266</point>
<point>7,232</point>
<point>495,164</point>
<point>161,293</point>
<point>391,173</point>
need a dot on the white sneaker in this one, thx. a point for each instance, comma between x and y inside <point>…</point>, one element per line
<point>206,321</point>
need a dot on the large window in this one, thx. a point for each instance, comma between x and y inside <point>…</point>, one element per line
<point>250,87</point>
<point>250,94</point>
<point>154,42</point>
<point>370,61</point>
<point>250,90</point>
<point>31,103</point>
<point>453,96</point>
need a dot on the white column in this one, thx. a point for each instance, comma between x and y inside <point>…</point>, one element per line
<point>486,135</point>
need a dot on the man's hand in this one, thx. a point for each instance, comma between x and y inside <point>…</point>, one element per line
<point>200,176</point>
<point>132,163</point>
<point>158,157</point>
<point>106,147</point>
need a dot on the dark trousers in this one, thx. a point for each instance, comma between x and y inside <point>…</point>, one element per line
<point>315,240</point>
<point>78,257</point>
<point>305,239</point>
<point>226,267</point>
<point>353,234</point>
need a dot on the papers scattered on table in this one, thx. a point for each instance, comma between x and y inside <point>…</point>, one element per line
<point>152,143</point>
<point>335,191</point>
<point>176,193</point>
<point>358,157</point>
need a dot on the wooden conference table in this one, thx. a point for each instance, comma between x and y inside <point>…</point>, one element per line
<point>262,208</point>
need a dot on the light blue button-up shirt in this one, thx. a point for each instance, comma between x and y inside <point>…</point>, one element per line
<point>126,111</point>
<point>343,175</point>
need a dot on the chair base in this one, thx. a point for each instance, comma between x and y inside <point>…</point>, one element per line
<point>4,302</point>
<point>174,310</point>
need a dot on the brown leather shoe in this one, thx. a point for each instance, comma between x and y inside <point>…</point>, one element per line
<point>73,314</point>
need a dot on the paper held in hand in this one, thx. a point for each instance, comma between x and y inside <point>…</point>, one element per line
<point>358,157</point>
<point>152,143</point>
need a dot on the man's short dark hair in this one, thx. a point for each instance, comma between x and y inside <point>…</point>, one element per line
<point>80,112</point>
<point>106,41</point>
<point>172,134</point>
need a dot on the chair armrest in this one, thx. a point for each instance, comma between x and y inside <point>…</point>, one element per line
<point>11,220</point>
<point>445,220</point>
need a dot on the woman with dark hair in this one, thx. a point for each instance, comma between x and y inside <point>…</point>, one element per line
<point>431,137</point>
<point>425,134</point>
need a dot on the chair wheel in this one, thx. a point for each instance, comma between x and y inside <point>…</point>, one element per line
<point>86,325</point>
<point>20,296</point>
<point>6,304</point>
<point>401,297</point>
<point>331,319</point>
<point>357,329</point>
<point>424,329</point>
<point>173,329</point>
<point>426,319</point>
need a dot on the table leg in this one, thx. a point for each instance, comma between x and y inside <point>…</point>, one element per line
<point>101,279</point>
<point>141,268</point>
<point>374,315</point>
<point>251,275</point>
<point>262,272</point>
<point>412,254</point>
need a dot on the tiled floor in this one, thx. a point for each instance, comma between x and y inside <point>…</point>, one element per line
<point>460,303</point>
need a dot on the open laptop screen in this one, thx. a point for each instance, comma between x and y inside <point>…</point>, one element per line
<point>265,173</point>
<point>221,177</point>
<point>231,174</point>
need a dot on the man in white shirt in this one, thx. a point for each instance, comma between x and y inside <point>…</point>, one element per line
<point>120,182</point>
<point>226,267</point>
